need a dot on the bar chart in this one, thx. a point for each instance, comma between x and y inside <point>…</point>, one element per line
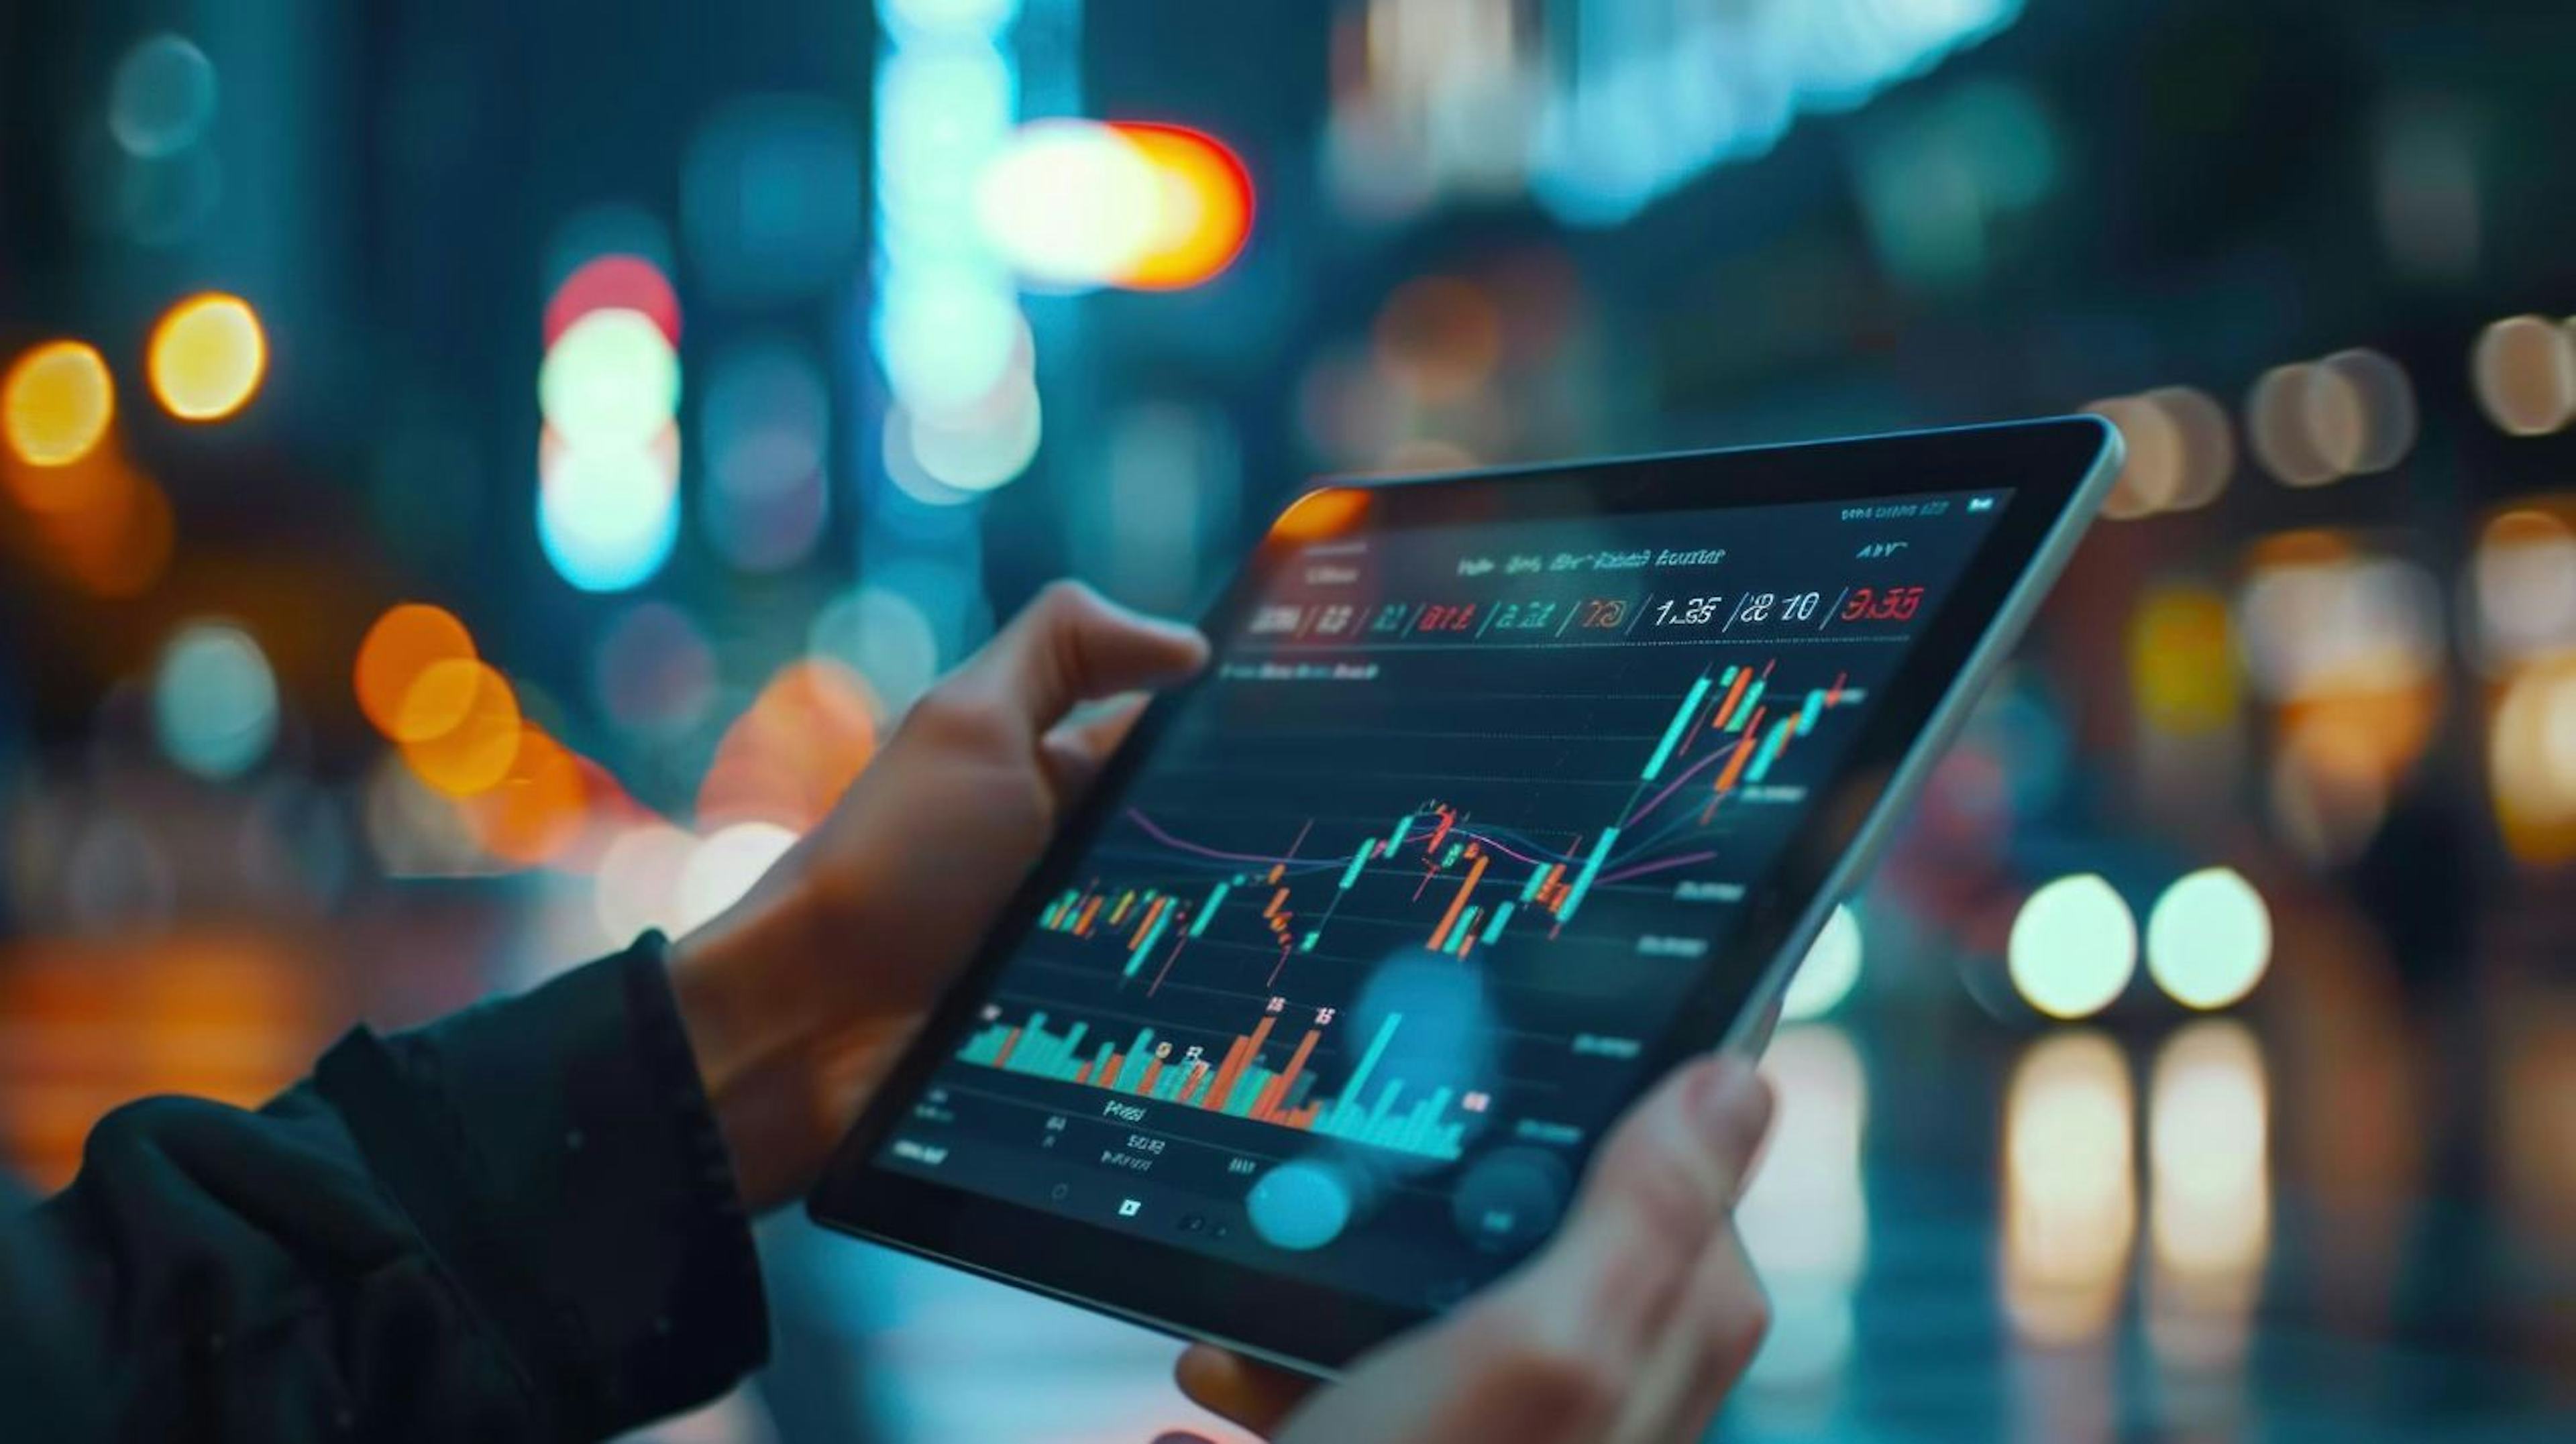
<point>1399,1115</point>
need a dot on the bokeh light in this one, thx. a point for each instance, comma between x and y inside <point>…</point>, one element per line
<point>537,809</point>
<point>724,866</point>
<point>2073,947</point>
<point>2368,422</point>
<point>2524,369</point>
<point>1077,203</point>
<point>2151,468</point>
<point>2280,421</point>
<point>654,671</point>
<point>56,403</point>
<point>608,514</point>
<point>2070,1187</point>
<point>2317,617</point>
<point>2531,761</point>
<point>207,357</point>
<point>948,342</point>
<point>637,885</point>
<point>790,756</point>
<point>1204,214</point>
<point>1069,203</point>
<point>2522,583</point>
<point>1831,968</point>
<point>1805,1218</point>
<point>214,700</point>
<point>2209,1147</point>
<point>883,635</point>
<point>610,380</point>
<point>983,448</point>
<point>2207,441</point>
<point>459,727</point>
<point>2209,938</point>
<point>614,282</point>
<point>162,97</point>
<point>2182,660</point>
<point>399,646</point>
<point>99,522</point>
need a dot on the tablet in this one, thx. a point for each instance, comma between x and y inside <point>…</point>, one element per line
<point>1504,793</point>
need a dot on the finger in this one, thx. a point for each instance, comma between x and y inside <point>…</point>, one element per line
<point>1073,644</point>
<point>1659,1193</point>
<point>1235,1388</point>
<point>1696,1362</point>
<point>1078,745</point>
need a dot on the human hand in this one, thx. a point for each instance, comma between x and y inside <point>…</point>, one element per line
<point>799,998</point>
<point>1630,1326</point>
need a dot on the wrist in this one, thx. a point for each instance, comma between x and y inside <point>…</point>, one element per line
<point>752,1029</point>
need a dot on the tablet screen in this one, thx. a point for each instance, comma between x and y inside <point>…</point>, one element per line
<point>1374,944</point>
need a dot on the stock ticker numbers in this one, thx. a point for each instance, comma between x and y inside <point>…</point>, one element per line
<point>1420,875</point>
<point>1586,618</point>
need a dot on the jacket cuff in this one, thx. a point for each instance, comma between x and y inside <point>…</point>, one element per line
<point>558,1153</point>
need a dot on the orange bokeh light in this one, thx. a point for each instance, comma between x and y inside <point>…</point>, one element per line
<point>56,403</point>
<point>97,522</point>
<point>404,643</point>
<point>459,727</point>
<point>536,812</point>
<point>1206,211</point>
<point>794,752</point>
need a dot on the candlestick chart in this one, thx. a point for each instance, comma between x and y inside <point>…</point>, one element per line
<point>1384,927</point>
<point>1190,895</point>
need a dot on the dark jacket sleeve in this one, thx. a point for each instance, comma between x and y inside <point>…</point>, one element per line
<point>518,1223</point>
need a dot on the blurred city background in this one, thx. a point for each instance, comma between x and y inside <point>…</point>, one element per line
<point>479,477</point>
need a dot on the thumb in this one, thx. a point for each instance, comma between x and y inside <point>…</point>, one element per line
<point>1074,645</point>
<point>1660,1192</point>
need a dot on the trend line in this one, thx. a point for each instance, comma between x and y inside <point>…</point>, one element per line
<point>1658,865</point>
<point>1669,788</point>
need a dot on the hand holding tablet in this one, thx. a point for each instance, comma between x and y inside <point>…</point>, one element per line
<point>1504,796</point>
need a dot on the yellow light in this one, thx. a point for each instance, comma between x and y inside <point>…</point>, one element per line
<point>2182,661</point>
<point>2074,947</point>
<point>2209,938</point>
<point>207,357</point>
<point>57,402</point>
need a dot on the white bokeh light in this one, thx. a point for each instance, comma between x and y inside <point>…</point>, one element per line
<point>2209,938</point>
<point>2074,947</point>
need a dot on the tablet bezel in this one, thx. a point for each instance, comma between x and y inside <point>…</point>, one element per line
<point>2056,471</point>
